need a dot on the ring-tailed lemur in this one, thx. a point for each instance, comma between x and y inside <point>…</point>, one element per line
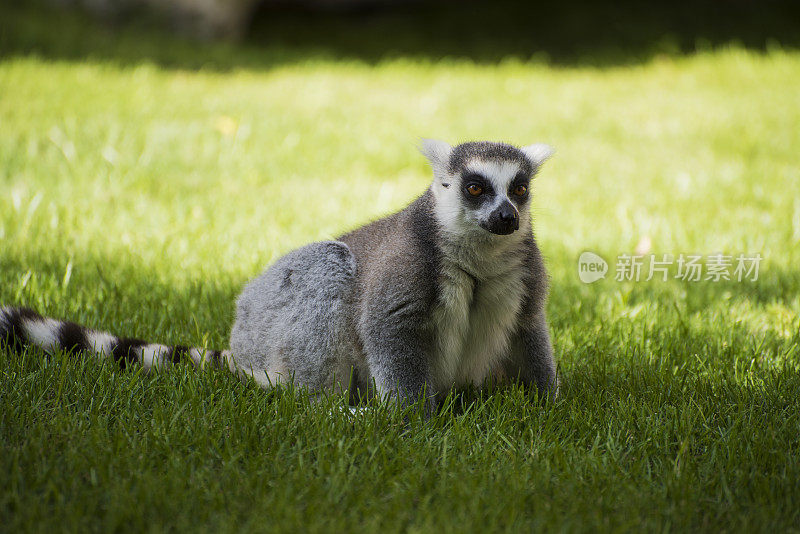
<point>448,291</point>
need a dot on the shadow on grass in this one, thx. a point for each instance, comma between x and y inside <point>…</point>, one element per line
<point>577,32</point>
<point>124,298</point>
<point>564,33</point>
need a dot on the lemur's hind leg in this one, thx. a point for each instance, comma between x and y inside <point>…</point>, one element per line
<point>293,321</point>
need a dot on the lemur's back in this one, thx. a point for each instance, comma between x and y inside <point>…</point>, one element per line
<point>401,245</point>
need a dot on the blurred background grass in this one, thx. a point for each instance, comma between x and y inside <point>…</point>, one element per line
<point>146,176</point>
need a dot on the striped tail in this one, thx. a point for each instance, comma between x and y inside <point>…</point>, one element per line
<point>21,327</point>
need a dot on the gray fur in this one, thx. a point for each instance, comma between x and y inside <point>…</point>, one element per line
<point>411,303</point>
<point>292,322</point>
<point>484,150</point>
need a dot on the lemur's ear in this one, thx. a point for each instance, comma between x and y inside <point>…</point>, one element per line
<point>437,152</point>
<point>538,153</point>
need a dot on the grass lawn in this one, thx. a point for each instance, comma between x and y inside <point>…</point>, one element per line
<point>138,196</point>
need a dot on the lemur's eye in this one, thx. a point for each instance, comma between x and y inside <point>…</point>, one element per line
<point>474,190</point>
<point>520,190</point>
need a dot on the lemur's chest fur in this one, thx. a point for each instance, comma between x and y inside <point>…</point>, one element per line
<point>474,319</point>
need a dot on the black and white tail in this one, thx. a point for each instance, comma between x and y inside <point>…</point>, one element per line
<point>20,327</point>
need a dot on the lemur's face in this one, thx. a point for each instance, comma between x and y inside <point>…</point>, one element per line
<point>483,187</point>
<point>493,193</point>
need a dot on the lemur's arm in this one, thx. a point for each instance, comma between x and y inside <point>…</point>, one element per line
<point>395,330</point>
<point>531,359</point>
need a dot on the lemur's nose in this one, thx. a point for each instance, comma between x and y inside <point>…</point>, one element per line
<point>507,213</point>
<point>504,219</point>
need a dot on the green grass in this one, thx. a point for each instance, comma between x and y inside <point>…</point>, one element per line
<point>139,196</point>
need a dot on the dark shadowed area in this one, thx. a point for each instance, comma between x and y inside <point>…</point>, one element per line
<point>575,32</point>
